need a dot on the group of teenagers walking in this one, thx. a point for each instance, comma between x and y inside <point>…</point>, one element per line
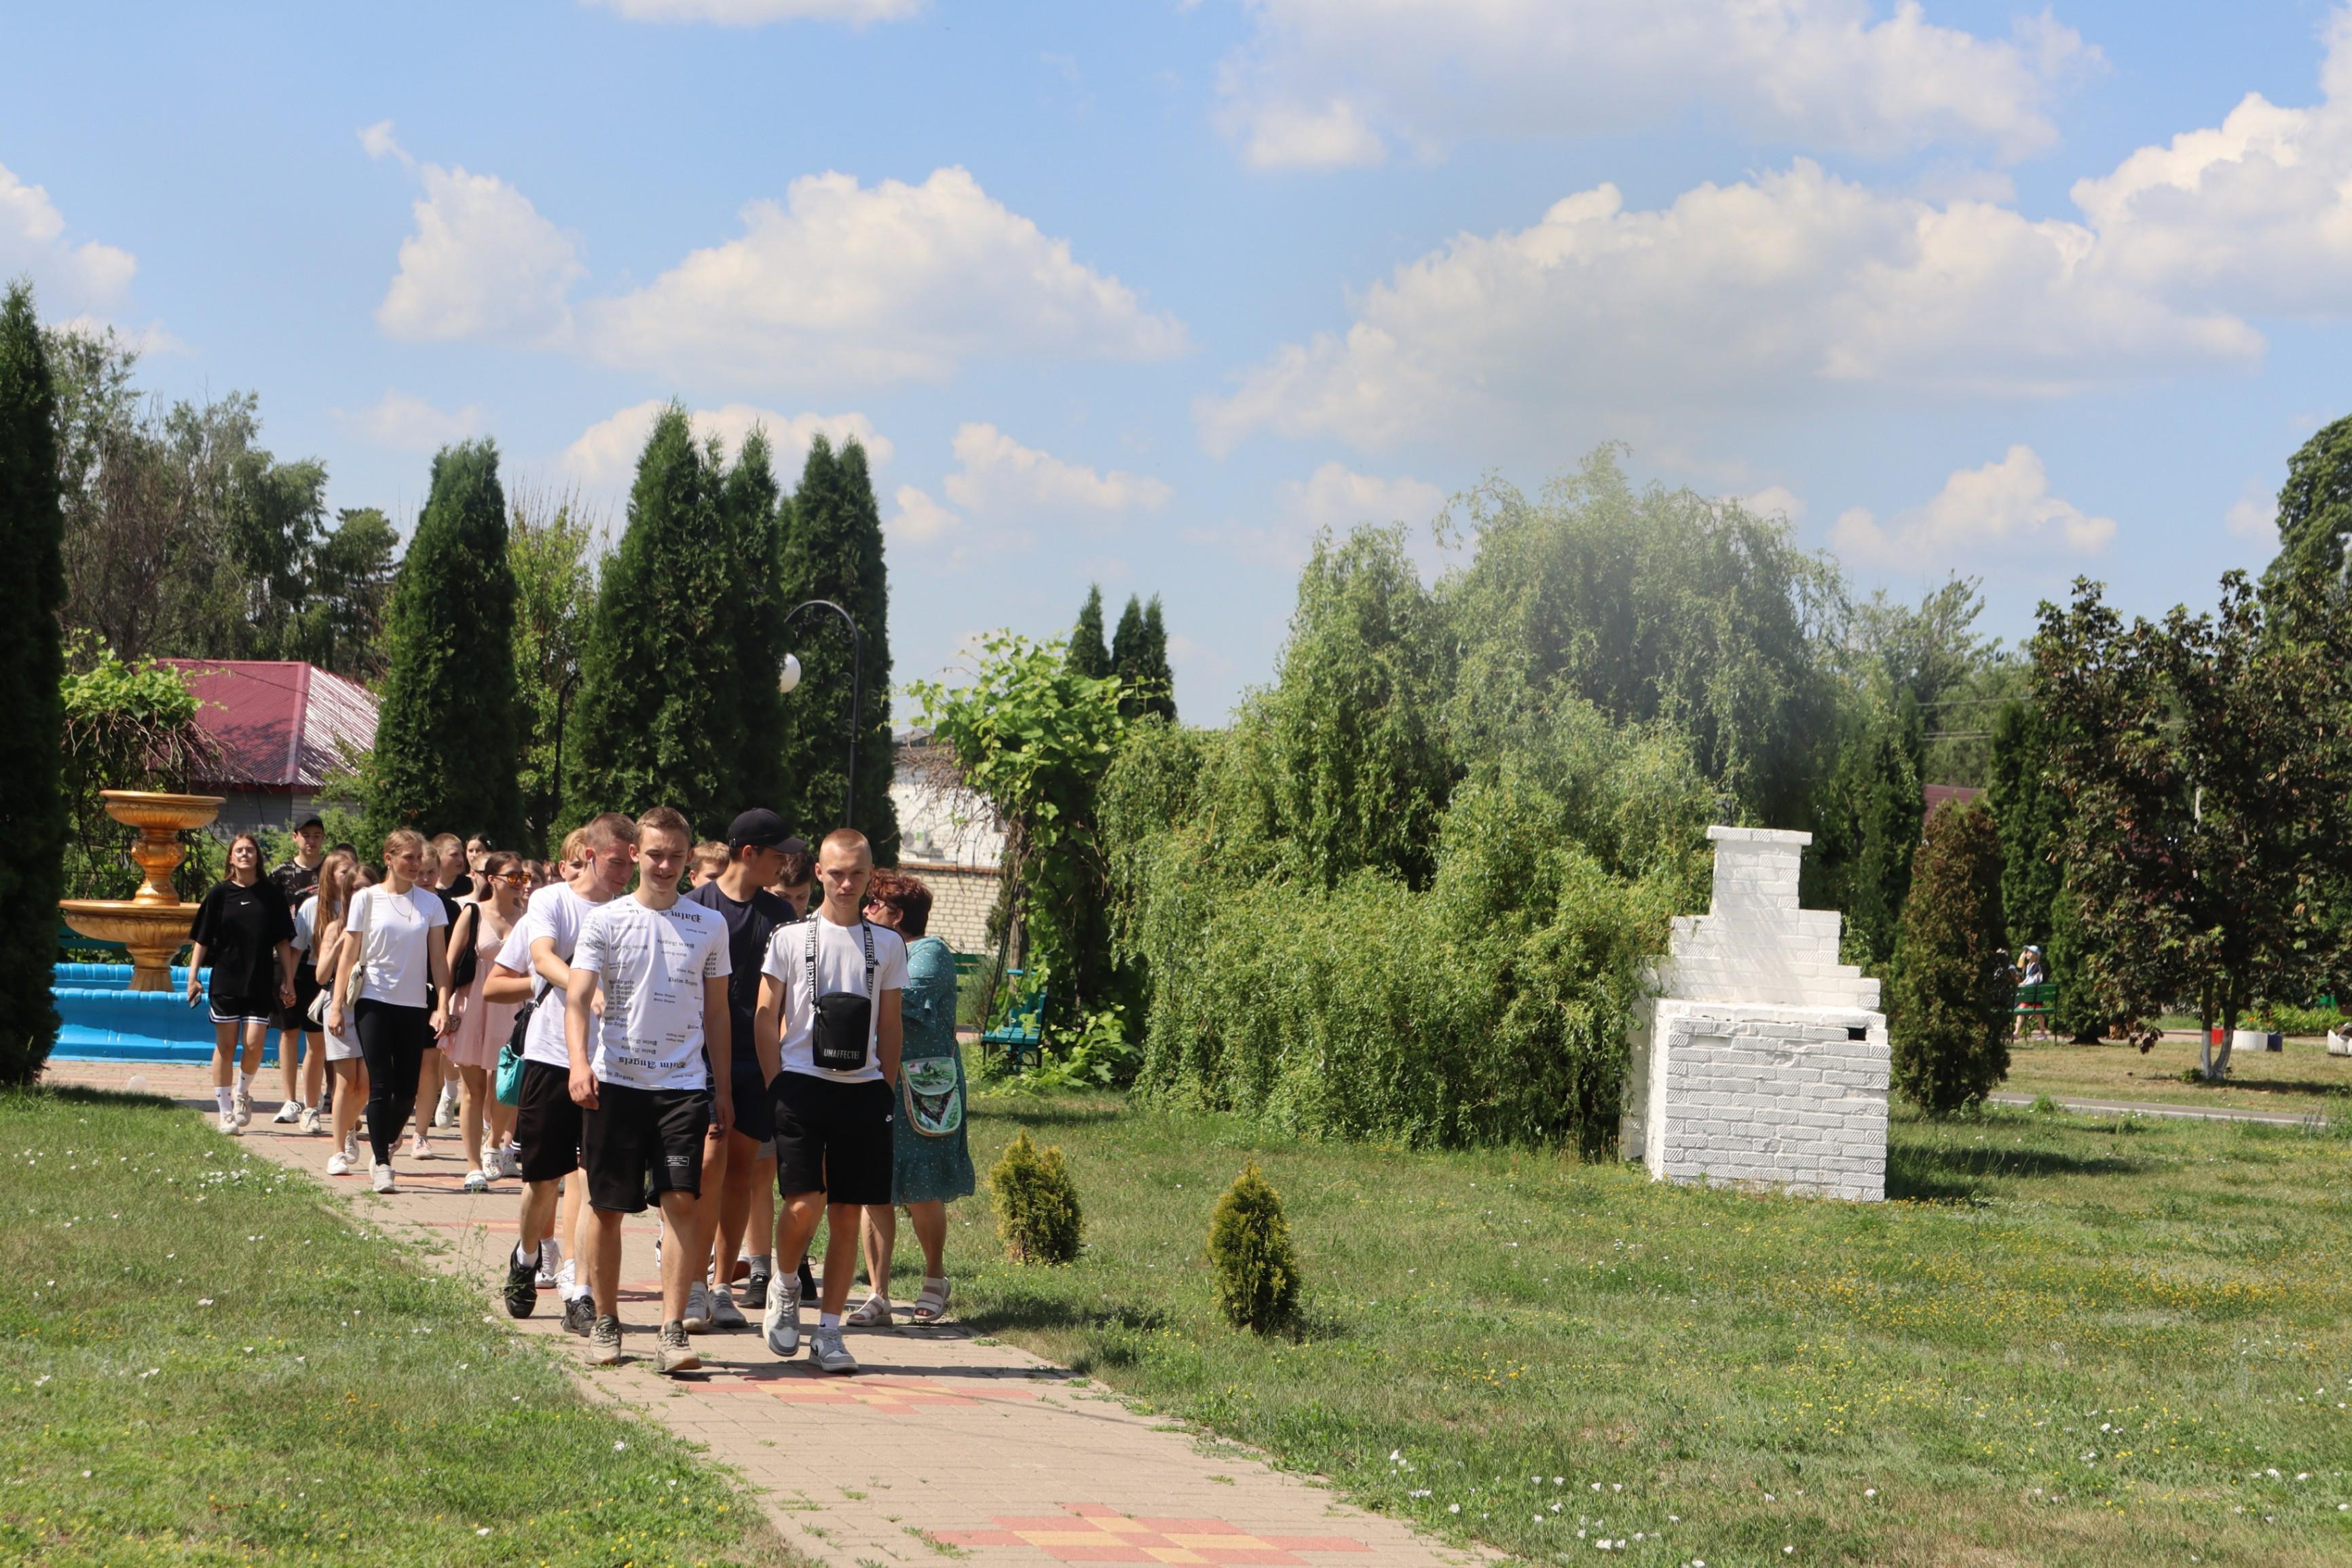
<point>677,1034</point>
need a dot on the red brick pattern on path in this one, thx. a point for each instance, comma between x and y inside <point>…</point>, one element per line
<point>943,1445</point>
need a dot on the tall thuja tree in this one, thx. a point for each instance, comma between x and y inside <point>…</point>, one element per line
<point>833,550</point>
<point>1089,656</point>
<point>1159,680</point>
<point>32,664</point>
<point>751,510</point>
<point>2030,816</point>
<point>447,739</point>
<point>1127,656</point>
<point>1949,1012</point>
<point>1866,824</point>
<point>658,716</point>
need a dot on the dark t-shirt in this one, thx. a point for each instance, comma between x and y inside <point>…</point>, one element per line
<point>297,881</point>
<point>749,927</point>
<point>240,929</point>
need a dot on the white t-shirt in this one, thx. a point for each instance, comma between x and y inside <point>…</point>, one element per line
<point>840,966</point>
<point>556,913</point>
<point>306,923</point>
<point>390,928</point>
<point>652,964</point>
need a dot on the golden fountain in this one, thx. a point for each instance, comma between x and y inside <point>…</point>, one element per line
<point>152,923</point>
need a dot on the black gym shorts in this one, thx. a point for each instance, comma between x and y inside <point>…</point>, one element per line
<point>637,1133</point>
<point>547,1124</point>
<point>755,1117</point>
<point>833,1138</point>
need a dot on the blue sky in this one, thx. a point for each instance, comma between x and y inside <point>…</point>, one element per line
<point>1148,293</point>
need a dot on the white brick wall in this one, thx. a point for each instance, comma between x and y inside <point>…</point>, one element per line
<point>1760,1058</point>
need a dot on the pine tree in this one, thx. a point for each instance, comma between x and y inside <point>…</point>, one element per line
<point>753,513</point>
<point>1088,655</point>
<point>32,664</point>
<point>833,550</point>
<point>448,739</point>
<point>658,715</point>
<point>1949,1019</point>
<point>1159,691</point>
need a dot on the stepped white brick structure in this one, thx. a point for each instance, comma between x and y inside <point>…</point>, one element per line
<point>1759,1058</point>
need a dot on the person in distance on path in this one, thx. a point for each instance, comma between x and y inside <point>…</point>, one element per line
<point>646,1090</point>
<point>828,1033</point>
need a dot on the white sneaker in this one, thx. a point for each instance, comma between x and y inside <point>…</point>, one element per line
<point>287,1114</point>
<point>506,1160</point>
<point>697,1309</point>
<point>311,1125</point>
<point>724,1313</point>
<point>477,1183</point>
<point>829,1354</point>
<point>244,1104</point>
<point>352,1147</point>
<point>230,1125</point>
<point>420,1147</point>
<point>551,1268</point>
<point>780,1325</point>
<point>339,1163</point>
<point>381,1175</point>
<point>446,1113</point>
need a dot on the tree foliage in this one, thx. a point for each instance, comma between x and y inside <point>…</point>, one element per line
<point>549,547</point>
<point>1038,1216</point>
<point>32,661</point>
<point>1866,816</point>
<point>1250,1255</point>
<point>2314,506</point>
<point>833,550</point>
<point>448,740</point>
<point>127,726</point>
<point>1139,657</point>
<point>1948,1021</point>
<point>1090,655</point>
<point>752,514</point>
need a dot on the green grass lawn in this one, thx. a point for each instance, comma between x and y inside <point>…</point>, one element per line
<point>206,1359</point>
<point>2300,1079</point>
<point>2066,1343</point>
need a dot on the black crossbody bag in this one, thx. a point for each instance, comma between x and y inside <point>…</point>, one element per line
<point>841,1022</point>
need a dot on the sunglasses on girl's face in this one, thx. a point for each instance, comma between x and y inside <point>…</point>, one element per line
<point>511,879</point>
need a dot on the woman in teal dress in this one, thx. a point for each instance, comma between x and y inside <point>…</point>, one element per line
<point>933,1162</point>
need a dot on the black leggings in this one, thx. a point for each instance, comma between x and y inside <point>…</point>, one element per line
<point>393,1040</point>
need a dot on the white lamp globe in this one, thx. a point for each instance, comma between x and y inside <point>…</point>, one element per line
<point>790,676</point>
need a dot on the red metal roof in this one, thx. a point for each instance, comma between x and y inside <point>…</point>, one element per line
<point>279,724</point>
<point>1939,795</point>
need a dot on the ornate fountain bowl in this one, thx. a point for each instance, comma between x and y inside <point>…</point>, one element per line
<point>153,923</point>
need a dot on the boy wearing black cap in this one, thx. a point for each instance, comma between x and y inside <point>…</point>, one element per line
<point>739,1163</point>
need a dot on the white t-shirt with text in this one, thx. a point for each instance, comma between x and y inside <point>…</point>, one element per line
<point>652,964</point>
<point>391,928</point>
<point>840,966</point>
<point>558,913</point>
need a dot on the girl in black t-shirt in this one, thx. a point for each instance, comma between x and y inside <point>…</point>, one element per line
<point>244,932</point>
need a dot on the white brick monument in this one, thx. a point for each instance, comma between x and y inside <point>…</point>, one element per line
<point>1759,1058</point>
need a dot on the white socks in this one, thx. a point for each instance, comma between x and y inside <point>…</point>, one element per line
<point>828,1320</point>
<point>227,1097</point>
<point>245,1081</point>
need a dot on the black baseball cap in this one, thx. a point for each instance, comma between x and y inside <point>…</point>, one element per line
<point>311,821</point>
<point>756,828</point>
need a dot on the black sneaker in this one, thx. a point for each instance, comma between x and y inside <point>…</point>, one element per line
<point>522,1286</point>
<point>580,1315</point>
<point>755,1290</point>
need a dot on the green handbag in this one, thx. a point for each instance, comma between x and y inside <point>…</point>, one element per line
<point>509,1073</point>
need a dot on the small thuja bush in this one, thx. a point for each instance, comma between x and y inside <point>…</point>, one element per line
<point>1250,1253</point>
<point>1036,1203</point>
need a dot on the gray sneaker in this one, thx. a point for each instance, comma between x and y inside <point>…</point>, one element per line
<point>604,1343</point>
<point>697,1308</point>
<point>674,1351</point>
<point>781,1323</point>
<point>724,1314</point>
<point>829,1354</point>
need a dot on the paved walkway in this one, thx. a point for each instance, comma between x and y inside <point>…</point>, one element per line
<point>1018,1463</point>
<point>2151,1108</point>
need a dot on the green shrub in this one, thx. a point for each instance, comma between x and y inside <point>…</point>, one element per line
<point>1949,1019</point>
<point>1036,1203</point>
<point>1251,1255</point>
<point>2292,1020</point>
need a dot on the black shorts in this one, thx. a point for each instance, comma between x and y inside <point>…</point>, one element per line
<point>243,1009</point>
<point>755,1116</point>
<point>547,1124</point>
<point>833,1138</point>
<point>640,1141</point>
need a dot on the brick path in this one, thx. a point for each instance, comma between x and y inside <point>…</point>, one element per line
<point>1014,1462</point>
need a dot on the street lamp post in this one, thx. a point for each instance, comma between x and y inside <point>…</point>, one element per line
<point>791,678</point>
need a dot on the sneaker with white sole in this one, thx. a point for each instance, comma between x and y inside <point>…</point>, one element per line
<point>755,1290</point>
<point>604,1343</point>
<point>380,1175</point>
<point>420,1147</point>
<point>697,1309</point>
<point>506,1160</point>
<point>230,1126</point>
<point>724,1314</point>
<point>673,1353</point>
<point>827,1352</point>
<point>520,1291</point>
<point>550,1263</point>
<point>311,1125</point>
<point>244,1104</point>
<point>287,1114</point>
<point>780,1325</point>
<point>445,1114</point>
<point>580,1315</point>
<point>477,1183</point>
<point>339,1163</point>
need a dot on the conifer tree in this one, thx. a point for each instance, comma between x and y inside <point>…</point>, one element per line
<point>448,741</point>
<point>833,550</point>
<point>1159,691</point>
<point>32,663</point>
<point>2032,817</point>
<point>658,713</point>
<point>1126,652</point>
<point>753,512</point>
<point>1089,654</point>
<point>1949,1019</point>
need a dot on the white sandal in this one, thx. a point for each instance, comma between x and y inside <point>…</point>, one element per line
<point>932,1304</point>
<point>874,1312</point>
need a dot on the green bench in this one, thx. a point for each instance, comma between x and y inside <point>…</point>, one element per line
<point>2031,1009</point>
<point>1022,1036</point>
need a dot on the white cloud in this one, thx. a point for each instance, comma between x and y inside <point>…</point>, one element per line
<point>409,423</point>
<point>844,284</point>
<point>606,452</point>
<point>760,13</point>
<point>483,263</point>
<point>919,519</point>
<point>1998,508</point>
<point>84,277</point>
<point>2254,514</point>
<point>1329,81</point>
<point>1774,500</point>
<point>1000,477</point>
<point>1335,497</point>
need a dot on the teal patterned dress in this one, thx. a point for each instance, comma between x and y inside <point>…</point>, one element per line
<point>930,1168</point>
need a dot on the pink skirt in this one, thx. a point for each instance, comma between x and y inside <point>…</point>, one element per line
<point>482,1029</point>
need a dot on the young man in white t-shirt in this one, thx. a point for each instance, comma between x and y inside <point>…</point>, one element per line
<point>646,1090</point>
<point>828,1034</point>
<point>536,960</point>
